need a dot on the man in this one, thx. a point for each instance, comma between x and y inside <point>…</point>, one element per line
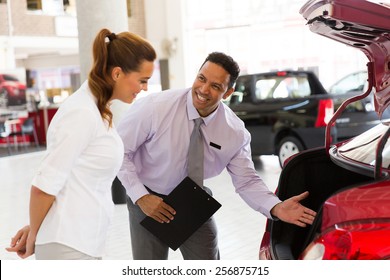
<point>156,134</point>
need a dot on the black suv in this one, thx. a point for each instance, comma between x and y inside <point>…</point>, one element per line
<point>287,112</point>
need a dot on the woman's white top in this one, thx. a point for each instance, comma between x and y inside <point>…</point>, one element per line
<point>82,159</point>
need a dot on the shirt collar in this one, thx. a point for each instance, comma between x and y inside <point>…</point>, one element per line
<point>193,113</point>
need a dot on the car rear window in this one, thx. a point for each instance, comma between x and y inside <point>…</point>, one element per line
<point>363,147</point>
<point>281,87</point>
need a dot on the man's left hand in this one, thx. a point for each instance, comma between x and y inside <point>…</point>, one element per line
<point>292,211</point>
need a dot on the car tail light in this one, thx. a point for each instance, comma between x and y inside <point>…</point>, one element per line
<point>264,253</point>
<point>361,240</point>
<point>281,73</point>
<point>325,112</point>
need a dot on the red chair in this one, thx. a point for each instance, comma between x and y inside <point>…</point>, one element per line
<point>27,128</point>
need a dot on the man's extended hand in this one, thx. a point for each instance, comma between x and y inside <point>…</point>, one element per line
<point>154,207</point>
<point>291,211</point>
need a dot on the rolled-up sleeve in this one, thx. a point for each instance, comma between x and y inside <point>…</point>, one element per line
<point>67,137</point>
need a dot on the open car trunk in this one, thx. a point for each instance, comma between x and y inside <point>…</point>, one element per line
<point>312,171</point>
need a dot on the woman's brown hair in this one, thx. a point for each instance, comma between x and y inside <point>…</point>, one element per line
<point>125,50</point>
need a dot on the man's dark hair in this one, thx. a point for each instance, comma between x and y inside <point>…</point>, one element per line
<point>227,63</point>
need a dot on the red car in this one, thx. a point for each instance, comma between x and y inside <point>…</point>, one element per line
<point>349,182</point>
<point>12,91</point>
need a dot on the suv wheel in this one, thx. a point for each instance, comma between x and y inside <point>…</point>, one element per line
<point>287,147</point>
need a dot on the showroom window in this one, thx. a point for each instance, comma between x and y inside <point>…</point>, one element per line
<point>34,5</point>
<point>48,6</point>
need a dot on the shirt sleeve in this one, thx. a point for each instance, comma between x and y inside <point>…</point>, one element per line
<point>248,183</point>
<point>134,129</point>
<point>67,137</point>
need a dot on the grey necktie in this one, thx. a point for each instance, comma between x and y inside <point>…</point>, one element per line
<point>195,154</point>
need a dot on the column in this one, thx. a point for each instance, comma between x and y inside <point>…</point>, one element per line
<point>92,16</point>
<point>7,55</point>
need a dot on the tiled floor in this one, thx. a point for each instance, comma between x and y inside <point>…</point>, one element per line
<point>240,227</point>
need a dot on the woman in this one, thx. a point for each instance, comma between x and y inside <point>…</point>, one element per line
<point>70,200</point>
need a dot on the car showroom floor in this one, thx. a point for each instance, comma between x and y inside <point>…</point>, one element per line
<point>240,227</point>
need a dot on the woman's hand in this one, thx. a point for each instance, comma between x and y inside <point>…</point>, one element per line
<point>22,243</point>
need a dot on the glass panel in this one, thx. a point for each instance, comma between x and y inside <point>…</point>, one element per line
<point>264,88</point>
<point>363,147</point>
<point>355,82</point>
<point>34,5</point>
<point>282,87</point>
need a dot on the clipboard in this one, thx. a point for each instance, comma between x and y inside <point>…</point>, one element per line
<point>193,207</point>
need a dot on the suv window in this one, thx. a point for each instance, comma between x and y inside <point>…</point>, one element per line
<point>282,87</point>
<point>355,83</point>
<point>243,85</point>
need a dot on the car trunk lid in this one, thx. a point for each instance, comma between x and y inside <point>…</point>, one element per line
<point>365,26</point>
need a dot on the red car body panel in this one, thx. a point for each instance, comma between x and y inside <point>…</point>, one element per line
<point>361,203</point>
